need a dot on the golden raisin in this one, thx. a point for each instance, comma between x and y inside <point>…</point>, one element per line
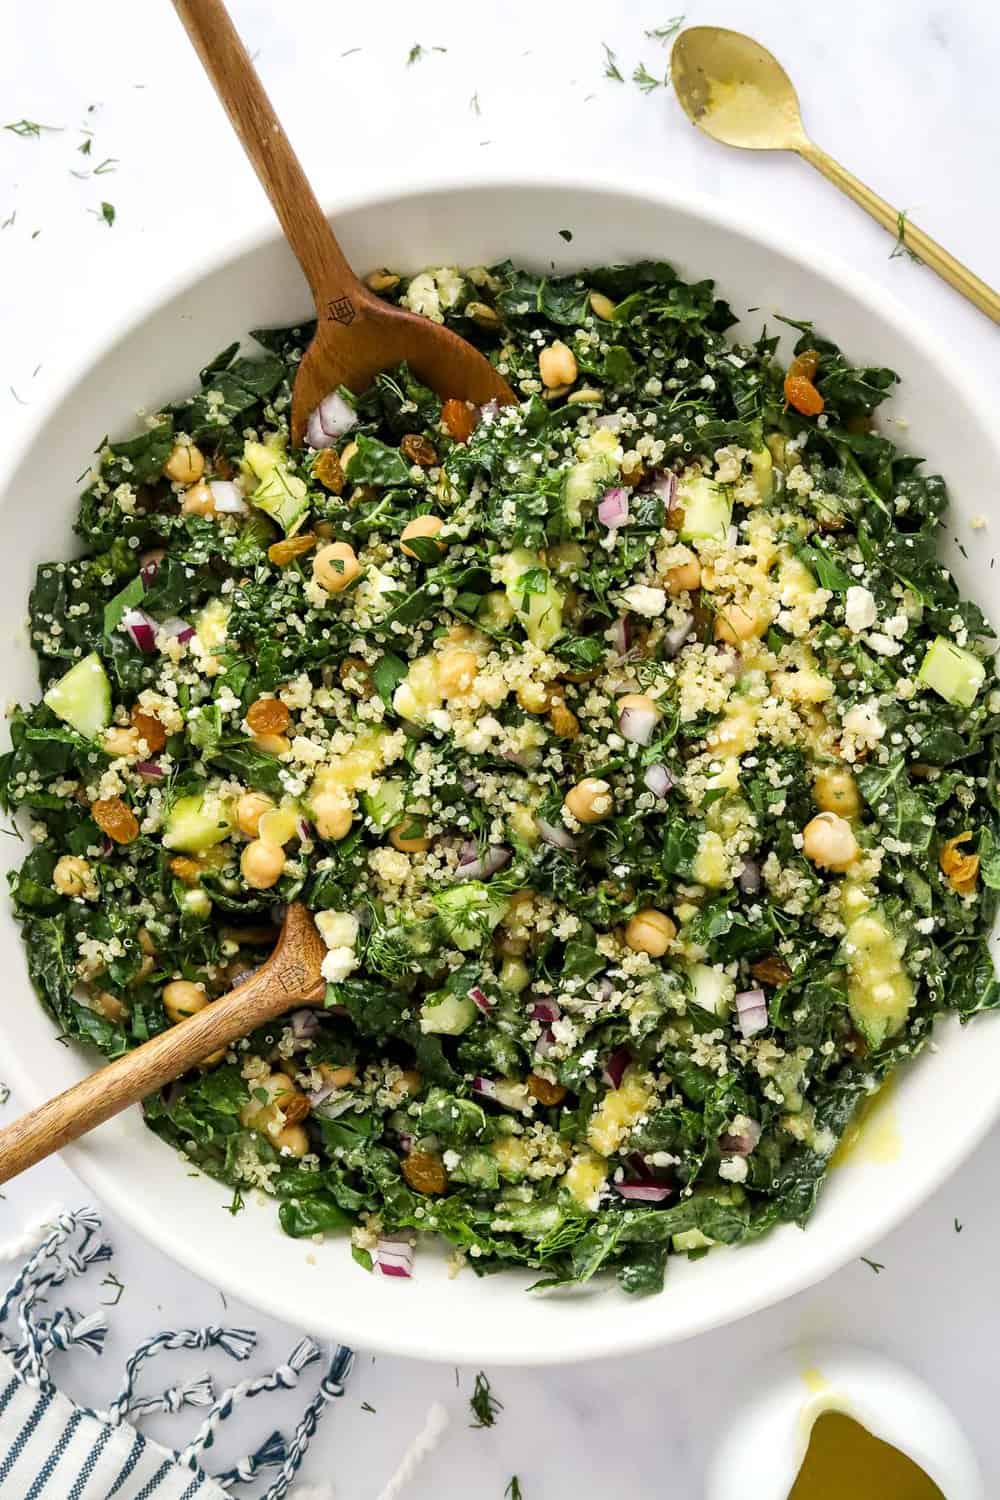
<point>544,1091</point>
<point>459,420</point>
<point>356,676</point>
<point>425,1172</point>
<point>564,721</point>
<point>283,552</point>
<point>186,870</point>
<point>803,395</point>
<point>294,1106</point>
<point>962,870</point>
<point>149,729</point>
<point>806,364</point>
<point>631,477</point>
<point>328,469</point>
<point>115,818</point>
<point>417,450</point>
<point>771,970</point>
<point>268,716</point>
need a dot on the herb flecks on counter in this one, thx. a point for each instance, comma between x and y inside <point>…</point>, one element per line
<point>632,745</point>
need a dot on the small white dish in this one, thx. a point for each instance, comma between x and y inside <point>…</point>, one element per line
<point>767,1438</point>
<point>942,1107</point>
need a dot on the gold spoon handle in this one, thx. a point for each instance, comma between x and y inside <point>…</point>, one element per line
<point>930,252</point>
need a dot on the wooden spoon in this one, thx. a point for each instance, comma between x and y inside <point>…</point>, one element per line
<point>290,977</point>
<point>737,92</point>
<point>357,334</point>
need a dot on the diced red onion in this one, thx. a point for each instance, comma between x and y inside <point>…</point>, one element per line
<point>317,1096</point>
<point>551,833</point>
<point>611,421</point>
<point>545,1043</point>
<point>305,1024</point>
<point>141,629</point>
<point>637,723</point>
<point>151,770</point>
<point>149,564</point>
<point>749,878</point>
<point>664,484</point>
<point>612,511</point>
<point>393,1258</point>
<point>743,1143</point>
<point>485,1086</point>
<point>226,498</point>
<point>658,780</point>
<point>614,1066</point>
<point>545,1010</point>
<point>496,858</point>
<point>605,989</point>
<point>751,1010</point>
<point>405,1142</point>
<point>329,421</point>
<point>488,410</point>
<point>642,1192</point>
<point>675,637</point>
<point>176,628</point>
<point>480,999</point>
<point>303,829</point>
<point>621,632</point>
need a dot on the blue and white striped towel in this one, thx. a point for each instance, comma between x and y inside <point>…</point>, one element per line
<point>53,1449</point>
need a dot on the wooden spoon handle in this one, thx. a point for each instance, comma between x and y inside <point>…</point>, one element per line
<point>979,293</point>
<point>288,977</point>
<point>306,227</point>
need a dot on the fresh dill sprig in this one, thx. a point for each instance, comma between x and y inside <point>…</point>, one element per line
<point>386,950</point>
<point>666,32</point>
<point>474,104</point>
<point>5,1094</point>
<point>611,68</point>
<point>483,1402</point>
<point>30,128</point>
<point>901,247</point>
<point>237,1203</point>
<point>513,1490</point>
<point>645,79</point>
<point>875,1265</point>
<point>116,1286</point>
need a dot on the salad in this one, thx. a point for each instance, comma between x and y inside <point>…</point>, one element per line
<point>632,746</point>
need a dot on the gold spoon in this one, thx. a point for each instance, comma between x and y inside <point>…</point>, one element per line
<point>734,90</point>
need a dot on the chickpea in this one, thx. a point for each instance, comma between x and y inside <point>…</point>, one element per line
<point>291,1139</point>
<point>515,975</point>
<point>410,1082</point>
<point>734,624</point>
<point>650,931</point>
<point>146,967</point>
<point>198,500</point>
<point>601,306</point>
<point>457,672</point>
<point>109,1006</point>
<point>828,840</point>
<point>262,864</point>
<point>338,1078</point>
<point>250,808</point>
<point>496,610</point>
<point>335,566</point>
<point>421,526</point>
<point>590,800</point>
<point>181,998</point>
<point>405,840</point>
<point>332,815</point>
<point>272,744</point>
<point>71,876</point>
<point>509,945</point>
<point>836,791</point>
<point>120,743</point>
<point>685,577</point>
<point>557,365</point>
<point>381,280</point>
<point>185,465</point>
<point>146,943</point>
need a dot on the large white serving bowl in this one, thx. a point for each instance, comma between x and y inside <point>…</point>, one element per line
<point>944,1103</point>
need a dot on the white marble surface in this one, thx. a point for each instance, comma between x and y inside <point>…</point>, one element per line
<point>905,92</point>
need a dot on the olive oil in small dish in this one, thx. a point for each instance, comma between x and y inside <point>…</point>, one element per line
<point>844,1459</point>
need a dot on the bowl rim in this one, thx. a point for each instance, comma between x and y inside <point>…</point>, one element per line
<point>910,1191</point>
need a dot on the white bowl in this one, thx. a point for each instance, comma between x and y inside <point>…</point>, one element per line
<point>944,1104</point>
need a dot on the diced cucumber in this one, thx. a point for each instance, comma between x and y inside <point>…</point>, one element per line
<point>197,823</point>
<point>711,989</point>
<point>478,1168</point>
<point>279,825</point>
<point>469,912</point>
<point>447,1015</point>
<point>536,601</point>
<point>82,698</point>
<point>691,1239</point>
<point>954,673</point>
<point>385,804</point>
<point>280,494</point>
<point>533,1220</point>
<point>582,484</point>
<point>708,510</point>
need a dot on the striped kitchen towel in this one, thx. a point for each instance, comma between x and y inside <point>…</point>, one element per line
<point>53,1449</point>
